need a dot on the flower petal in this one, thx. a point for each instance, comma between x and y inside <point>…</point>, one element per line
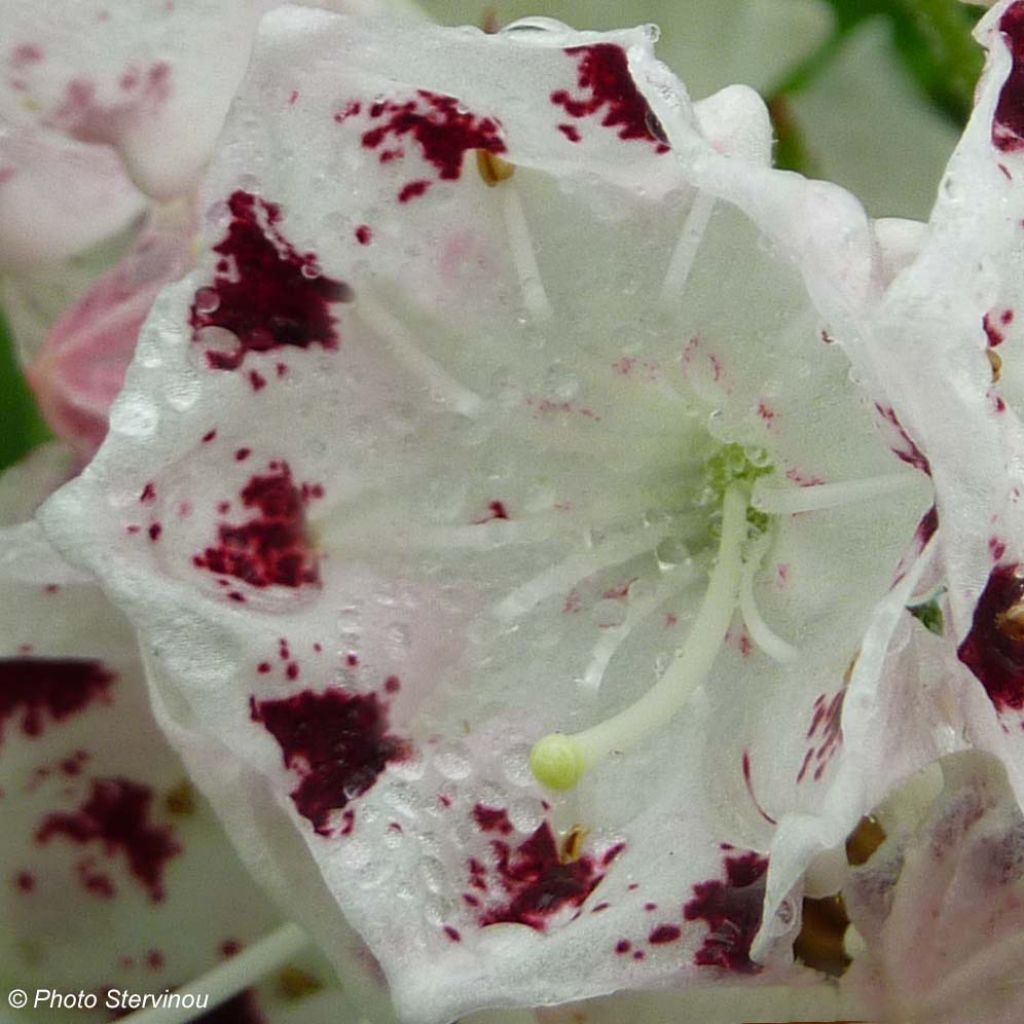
<point>153,80</point>
<point>116,877</point>
<point>79,368</point>
<point>58,197</point>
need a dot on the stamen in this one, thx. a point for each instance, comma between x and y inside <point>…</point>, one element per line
<point>563,576</point>
<point>406,348</point>
<point>760,632</point>
<point>1011,622</point>
<point>995,360</point>
<point>229,978</point>
<point>377,533</point>
<point>819,497</point>
<point>492,169</point>
<point>559,760</point>
<point>613,639</point>
<point>521,245</point>
<point>681,262</point>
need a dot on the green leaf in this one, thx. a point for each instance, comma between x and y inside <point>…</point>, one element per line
<point>929,614</point>
<point>23,426</point>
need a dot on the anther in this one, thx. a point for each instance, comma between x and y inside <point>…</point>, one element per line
<point>1011,622</point>
<point>492,168</point>
<point>996,362</point>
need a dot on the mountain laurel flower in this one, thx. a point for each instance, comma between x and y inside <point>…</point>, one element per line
<point>497,501</point>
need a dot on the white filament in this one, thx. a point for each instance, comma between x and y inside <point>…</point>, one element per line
<point>229,978</point>
<point>563,576</point>
<point>612,639</point>
<point>818,497</point>
<point>408,351</point>
<point>687,672</point>
<point>760,632</point>
<point>535,297</point>
<point>681,262</point>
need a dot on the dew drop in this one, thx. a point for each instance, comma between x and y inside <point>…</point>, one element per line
<point>208,301</point>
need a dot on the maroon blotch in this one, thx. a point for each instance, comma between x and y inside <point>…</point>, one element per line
<point>537,882</point>
<point>49,688</point>
<point>337,743</point>
<point>117,815</point>
<point>272,548</point>
<point>442,128</point>
<point>364,234</point>
<point>994,648</point>
<point>732,910</point>
<point>240,1009</point>
<point>607,89</point>
<point>268,294</point>
<point>664,934</point>
<point>1008,121</point>
<point>492,819</point>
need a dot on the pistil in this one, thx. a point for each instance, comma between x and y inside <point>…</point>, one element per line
<point>560,760</point>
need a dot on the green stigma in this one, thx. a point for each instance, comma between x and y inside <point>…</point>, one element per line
<point>557,761</point>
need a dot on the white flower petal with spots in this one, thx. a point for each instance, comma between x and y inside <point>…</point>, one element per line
<point>938,908</point>
<point>115,877</point>
<point>153,79</point>
<point>948,337</point>
<point>489,416</point>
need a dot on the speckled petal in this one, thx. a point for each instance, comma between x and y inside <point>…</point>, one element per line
<point>115,877</point>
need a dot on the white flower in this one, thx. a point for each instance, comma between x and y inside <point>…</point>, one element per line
<point>501,405</point>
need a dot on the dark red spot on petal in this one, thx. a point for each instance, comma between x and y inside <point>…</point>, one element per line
<point>264,291</point>
<point>48,688</point>
<point>907,451</point>
<point>1008,122</point>
<point>664,933</point>
<point>536,881</point>
<point>442,128</point>
<point>240,1009</point>
<point>492,819</point>
<point>994,648</point>
<point>607,89</point>
<point>364,234</point>
<point>495,510</point>
<point>623,946</point>
<point>732,911</point>
<point>413,190</point>
<point>337,743</point>
<point>117,815</point>
<point>271,548</point>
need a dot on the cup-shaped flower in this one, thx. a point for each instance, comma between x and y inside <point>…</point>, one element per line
<point>497,408</point>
